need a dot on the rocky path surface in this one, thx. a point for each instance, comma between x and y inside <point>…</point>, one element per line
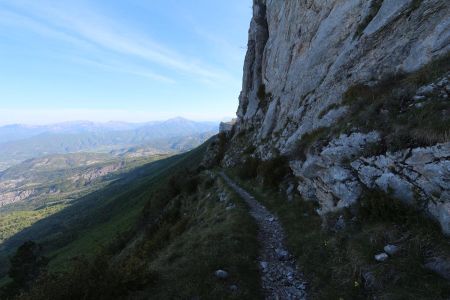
<point>279,275</point>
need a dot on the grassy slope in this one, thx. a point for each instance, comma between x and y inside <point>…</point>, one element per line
<point>13,222</point>
<point>208,238</point>
<point>174,258</point>
<point>16,218</point>
<point>338,264</point>
<point>95,214</point>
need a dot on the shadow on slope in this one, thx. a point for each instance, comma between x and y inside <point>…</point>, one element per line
<point>93,220</point>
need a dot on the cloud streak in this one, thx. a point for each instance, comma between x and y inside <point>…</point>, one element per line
<point>82,27</point>
<point>119,67</point>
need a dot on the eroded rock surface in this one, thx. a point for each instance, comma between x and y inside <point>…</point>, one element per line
<point>325,178</point>
<point>303,56</point>
<point>306,54</point>
<point>413,175</point>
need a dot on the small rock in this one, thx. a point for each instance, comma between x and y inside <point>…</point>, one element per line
<point>447,88</point>
<point>419,98</point>
<point>442,82</point>
<point>369,279</point>
<point>439,265</point>
<point>426,90</point>
<point>234,288</point>
<point>391,249</point>
<point>340,223</point>
<point>231,206</point>
<point>221,274</point>
<point>300,286</point>
<point>282,254</point>
<point>264,265</point>
<point>381,257</point>
<point>290,192</point>
<point>419,105</point>
<point>271,219</point>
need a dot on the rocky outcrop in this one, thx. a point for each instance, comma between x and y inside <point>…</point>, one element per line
<point>419,176</point>
<point>226,127</point>
<point>90,175</point>
<point>15,196</point>
<point>303,56</point>
<point>29,185</point>
<point>325,178</point>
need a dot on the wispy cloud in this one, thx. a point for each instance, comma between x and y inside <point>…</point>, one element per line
<point>16,20</point>
<point>120,67</point>
<point>13,19</point>
<point>83,27</point>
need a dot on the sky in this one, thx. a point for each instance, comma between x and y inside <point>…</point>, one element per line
<point>122,60</point>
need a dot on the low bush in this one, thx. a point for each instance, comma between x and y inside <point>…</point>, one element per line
<point>273,171</point>
<point>263,97</point>
<point>303,146</point>
<point>270,172</point>
<point>249,169</point>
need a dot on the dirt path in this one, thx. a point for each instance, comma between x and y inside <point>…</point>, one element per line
<point>279,275</point>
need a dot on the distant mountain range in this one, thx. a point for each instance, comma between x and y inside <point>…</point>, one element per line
<point>175,126</point>
<point>20,142</point>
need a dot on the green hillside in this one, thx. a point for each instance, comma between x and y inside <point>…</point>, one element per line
<point>159,230</point>
<point>54,182</point>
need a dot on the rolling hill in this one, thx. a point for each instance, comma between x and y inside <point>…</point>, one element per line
<point>19,142</point>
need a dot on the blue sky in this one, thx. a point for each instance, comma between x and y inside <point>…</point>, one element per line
<point>128,60</point>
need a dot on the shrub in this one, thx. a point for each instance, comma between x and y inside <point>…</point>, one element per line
<point>270,172</point>
<point>261,93</point>
<point>249,150</point>
<point>379,206</point>
<point>249,169</point>
<point>273,171</point>
<point>27,263</point>
<point>183,182</point>
<point>309,139</point>
<point>263,97</point>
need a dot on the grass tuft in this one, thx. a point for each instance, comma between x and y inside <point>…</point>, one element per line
<point>339,263</point>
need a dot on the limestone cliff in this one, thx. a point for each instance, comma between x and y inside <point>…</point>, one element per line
<point>304,62</point>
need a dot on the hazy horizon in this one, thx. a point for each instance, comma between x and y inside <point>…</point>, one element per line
<point>85,119</point>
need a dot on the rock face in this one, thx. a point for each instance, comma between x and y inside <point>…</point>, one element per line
<point>323,176</point>
<point>303,56</point>
<point>413,175</point>
<point>225,127</point>
<point>15,196</point>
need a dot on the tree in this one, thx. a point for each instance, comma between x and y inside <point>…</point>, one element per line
<point>27,264</point>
